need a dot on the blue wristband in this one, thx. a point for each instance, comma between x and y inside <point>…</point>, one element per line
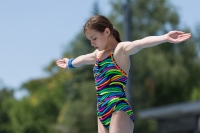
<point>70,63</point>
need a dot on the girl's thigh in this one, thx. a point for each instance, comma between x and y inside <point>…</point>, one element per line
<point>101,128</point>
<point>121,123</point>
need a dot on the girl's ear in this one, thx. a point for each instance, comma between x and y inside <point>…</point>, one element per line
<point>107,31</point>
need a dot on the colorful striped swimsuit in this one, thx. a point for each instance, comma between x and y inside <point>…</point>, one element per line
<point>110,82</point>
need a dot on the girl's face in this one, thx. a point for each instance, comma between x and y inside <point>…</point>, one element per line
<point>98,40</point>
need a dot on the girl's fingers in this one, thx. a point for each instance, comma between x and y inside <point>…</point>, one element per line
<point>180,32</point>
<point>60,61</point>
<point>184,35</point>
<point>185,38</point>
<point>57,62</point>
<point>62,65</point>
<point>181,39</point>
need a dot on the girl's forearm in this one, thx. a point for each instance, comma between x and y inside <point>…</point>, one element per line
<point>78,61</point>
<point>87,59</point>
<point>152,41</point>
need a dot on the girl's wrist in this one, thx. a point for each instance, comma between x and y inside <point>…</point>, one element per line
<point>70,63</point>
<point>165,38</point>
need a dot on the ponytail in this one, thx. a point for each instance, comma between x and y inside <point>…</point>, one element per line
<point>116,35</point>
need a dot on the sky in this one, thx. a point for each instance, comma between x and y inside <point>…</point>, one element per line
<point>33,33</point>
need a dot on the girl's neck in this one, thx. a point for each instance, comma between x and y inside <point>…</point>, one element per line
<point>112,44</point>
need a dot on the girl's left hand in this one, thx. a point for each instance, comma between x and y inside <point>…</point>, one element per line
<point>177,36</point>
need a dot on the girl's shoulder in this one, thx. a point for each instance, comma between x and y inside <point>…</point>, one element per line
<point>97,53</point>
<point>119,48</point>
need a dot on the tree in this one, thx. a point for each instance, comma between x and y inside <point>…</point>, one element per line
<point>38,111</point>
<point>6,98</point>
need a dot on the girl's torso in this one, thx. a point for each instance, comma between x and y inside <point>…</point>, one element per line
<point>121,60</point>
<point>110,79</point>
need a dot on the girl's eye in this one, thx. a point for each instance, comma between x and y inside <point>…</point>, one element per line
<point>94,38</point>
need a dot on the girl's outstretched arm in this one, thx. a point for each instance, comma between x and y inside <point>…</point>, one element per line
<point>79,61</point>
<point>130,48</point>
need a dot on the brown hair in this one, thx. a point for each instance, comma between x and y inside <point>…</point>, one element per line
<point>99,23</point>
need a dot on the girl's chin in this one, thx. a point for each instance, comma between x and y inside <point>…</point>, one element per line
<point>99,49</point>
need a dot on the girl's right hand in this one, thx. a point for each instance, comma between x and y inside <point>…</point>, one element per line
<point>63,63</point>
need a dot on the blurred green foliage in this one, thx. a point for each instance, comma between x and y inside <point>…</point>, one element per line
<point>65,101</point>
